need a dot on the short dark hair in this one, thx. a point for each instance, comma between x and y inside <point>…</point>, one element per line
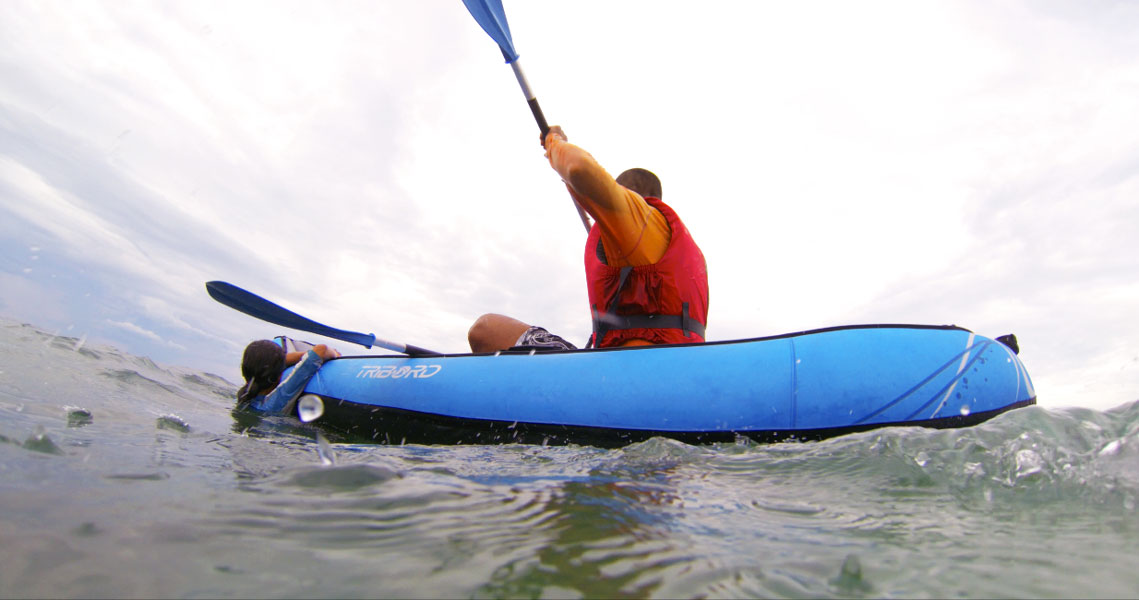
<point>642,181</point>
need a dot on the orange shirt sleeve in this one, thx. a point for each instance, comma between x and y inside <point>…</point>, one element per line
<point>632,232</point>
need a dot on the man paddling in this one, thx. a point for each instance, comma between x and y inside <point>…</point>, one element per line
<point>647,278</point>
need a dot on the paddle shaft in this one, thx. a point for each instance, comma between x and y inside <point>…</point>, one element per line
<point>490,15</point>
<point>535,109</point>
<point>255,306</point>
<point>543,126</point>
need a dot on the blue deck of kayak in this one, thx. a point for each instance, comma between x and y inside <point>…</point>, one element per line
<point>805,385</point>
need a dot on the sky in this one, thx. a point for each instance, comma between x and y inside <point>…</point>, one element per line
<point>373,166</point>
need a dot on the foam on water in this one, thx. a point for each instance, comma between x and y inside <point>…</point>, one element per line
<point>124,478</point>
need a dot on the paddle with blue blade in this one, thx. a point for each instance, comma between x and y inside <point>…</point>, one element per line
<point>492,18</point>
<point>256,306</point>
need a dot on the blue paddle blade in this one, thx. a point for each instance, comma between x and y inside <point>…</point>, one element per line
<point>492,18</point>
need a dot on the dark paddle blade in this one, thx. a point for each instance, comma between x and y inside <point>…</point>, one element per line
<point>256,306</point>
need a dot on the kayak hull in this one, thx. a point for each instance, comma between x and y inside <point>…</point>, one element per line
<point>805,385</point>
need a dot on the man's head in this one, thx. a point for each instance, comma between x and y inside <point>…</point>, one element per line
<point>642,181</point>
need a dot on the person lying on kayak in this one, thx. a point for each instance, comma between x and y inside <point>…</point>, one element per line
<point>646,277</point>
<point>262,365</point>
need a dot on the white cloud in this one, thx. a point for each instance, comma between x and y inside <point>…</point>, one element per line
<point>23,296</point>
<point>373,165</point>
<point>143,332</point>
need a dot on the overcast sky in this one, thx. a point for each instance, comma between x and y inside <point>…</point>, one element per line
<point>373,165</point>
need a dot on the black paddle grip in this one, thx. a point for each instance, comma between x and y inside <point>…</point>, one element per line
<point>539,117</point>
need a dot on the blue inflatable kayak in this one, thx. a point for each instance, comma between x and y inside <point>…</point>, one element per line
<point>807,385</point>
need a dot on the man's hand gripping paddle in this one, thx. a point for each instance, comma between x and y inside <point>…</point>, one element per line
<point>492,18</point>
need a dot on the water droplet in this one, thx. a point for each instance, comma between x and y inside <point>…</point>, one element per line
<point>965,410</point>
<point>324,450</point>
<point>40,442</point>
<point>852,567</point>
<point>1028,464</point>
<point>310,408</point>
<point>849,578</point>
<point>87,529</point>
<point>173,422</point>
<point>1111,448</point>
<point>78,417</point>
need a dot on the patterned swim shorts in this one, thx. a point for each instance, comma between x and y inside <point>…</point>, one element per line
<point>538,338</point>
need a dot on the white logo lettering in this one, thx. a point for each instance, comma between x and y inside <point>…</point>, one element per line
<point>398,372</point>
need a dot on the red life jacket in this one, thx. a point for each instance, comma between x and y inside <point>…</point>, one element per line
<point>663,303</point>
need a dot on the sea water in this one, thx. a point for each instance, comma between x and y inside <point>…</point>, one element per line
<point>123,478</point>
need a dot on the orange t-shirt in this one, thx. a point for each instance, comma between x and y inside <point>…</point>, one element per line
<point>632,232</point>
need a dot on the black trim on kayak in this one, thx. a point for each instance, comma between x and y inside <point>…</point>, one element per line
<point>385,425</point>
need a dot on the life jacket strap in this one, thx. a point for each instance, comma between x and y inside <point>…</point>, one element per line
<point>682,322</point>
<point>610,320</point>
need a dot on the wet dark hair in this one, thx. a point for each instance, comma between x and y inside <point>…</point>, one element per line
<point>261,366</point>
<point>642,181</point>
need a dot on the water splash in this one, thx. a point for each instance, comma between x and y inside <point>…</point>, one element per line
<point>324,450</point>
<point>40,442</point>
<point>173,422</point>
<point>849,579</point>
<point>1028,464</point>
<point>1112,448</point>
<point>78,417</point>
